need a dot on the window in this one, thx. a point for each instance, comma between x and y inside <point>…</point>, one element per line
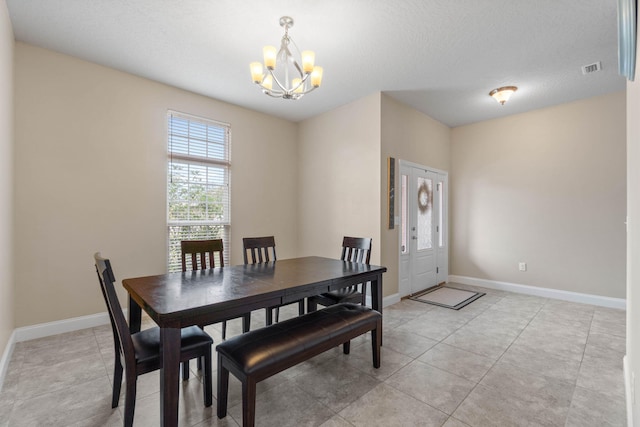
<point>198,190</point>
<point>404,212</point>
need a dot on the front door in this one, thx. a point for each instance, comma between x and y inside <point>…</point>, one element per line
<point>423,254</point>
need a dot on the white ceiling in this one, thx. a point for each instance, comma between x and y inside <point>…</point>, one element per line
<point>440,56</point>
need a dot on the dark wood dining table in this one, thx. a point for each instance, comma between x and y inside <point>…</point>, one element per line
<point>178,300</point>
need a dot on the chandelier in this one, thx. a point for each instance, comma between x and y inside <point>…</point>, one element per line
<point>285,76</point>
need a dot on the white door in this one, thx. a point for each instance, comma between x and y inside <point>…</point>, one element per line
<point>423,252</point>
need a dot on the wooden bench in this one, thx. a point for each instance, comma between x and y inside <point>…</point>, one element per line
<point>259,354</point>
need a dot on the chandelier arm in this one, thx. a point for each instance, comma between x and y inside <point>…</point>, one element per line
<point>275,79</point>
<point>304,79</point>
<point>272,94</point>
<point>293,57</point>
<point>295,64</point>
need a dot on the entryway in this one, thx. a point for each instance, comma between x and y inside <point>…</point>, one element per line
<point>423,228</point>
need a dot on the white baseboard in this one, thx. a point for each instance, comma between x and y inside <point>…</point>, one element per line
<point>388,300</point>
<point>542,292</point>
<point>6,357</point>
<point>42,330</point>
<point>627,391</point>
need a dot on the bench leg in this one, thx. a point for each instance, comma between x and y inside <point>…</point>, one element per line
<point>248,402</point>
<point>346,347</point>
<point>376,341</point>
<point>223,388</point>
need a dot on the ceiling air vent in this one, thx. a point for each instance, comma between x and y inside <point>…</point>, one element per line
<point>591,68</point>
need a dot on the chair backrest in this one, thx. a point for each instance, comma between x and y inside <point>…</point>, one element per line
<point>200,249</point>
<point>259,247</point>
<point>356,249</point>
<point>121,333</point>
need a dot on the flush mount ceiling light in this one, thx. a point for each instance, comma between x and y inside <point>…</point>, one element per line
<point>502,94</point>
<point>292,80</point>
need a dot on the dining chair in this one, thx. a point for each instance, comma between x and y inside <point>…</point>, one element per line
<point>199,251</point>
<point>354,249</point>
<point>263,249</point>
<point>139,353</point>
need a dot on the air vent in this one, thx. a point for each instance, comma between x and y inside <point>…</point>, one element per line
<point>591,68</point>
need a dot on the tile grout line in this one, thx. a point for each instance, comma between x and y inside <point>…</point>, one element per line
<point>497,360</point>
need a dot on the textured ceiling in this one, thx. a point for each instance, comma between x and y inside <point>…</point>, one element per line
<point>440,56</point>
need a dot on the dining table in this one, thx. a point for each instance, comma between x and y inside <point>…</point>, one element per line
<point>177,300</point>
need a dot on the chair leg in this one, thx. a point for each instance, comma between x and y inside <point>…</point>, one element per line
<point>300,307</point>
<point>185,370</point>
<point>269,319</point>
<point>311,305</point>
<point>376,341</point>
<point>223,388</point>
<point>346,347</point>
<point>206,380</point>
<point>130,399</point>
<point>248,402</point>
<point>117,382</point>
<point>246,322</point>
<point>224,329</point>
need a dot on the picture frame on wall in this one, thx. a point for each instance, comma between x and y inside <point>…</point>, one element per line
<point>391,184</point>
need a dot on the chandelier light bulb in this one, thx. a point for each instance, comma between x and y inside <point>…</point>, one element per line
<point>308,58</point>
<point>269,53</point>
<point>256,72</point>
<point>316,76</point>
<point>267,83</point>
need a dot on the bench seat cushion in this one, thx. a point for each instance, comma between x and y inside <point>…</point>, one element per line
<point>284,344</point>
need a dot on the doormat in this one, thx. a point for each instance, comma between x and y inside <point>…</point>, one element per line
<point>445,296</point>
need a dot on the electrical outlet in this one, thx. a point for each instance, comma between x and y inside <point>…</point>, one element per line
<point>522,266</point>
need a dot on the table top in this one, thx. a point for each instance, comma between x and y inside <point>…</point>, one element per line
<point>171,296</point>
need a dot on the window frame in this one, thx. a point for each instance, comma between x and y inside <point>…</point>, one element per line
<point>198,161</point>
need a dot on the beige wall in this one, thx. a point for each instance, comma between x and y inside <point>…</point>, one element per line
<point>408,135</point>
<point>77,119</point>
<point>633,238</point>
<point>6,177</point>
<point>339,172</point>
<point>547,188</point>
<point>90,162</point>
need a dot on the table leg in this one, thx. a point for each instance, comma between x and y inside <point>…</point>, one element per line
<point>169,376</point>
<point>135,316</point>
<point>376,297</point>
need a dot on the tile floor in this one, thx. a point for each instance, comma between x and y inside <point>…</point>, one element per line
<point>505,360</point>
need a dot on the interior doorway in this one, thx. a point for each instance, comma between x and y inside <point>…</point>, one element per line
<point>423,228</point>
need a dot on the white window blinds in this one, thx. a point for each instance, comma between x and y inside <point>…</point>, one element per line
<point>198,190</point>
